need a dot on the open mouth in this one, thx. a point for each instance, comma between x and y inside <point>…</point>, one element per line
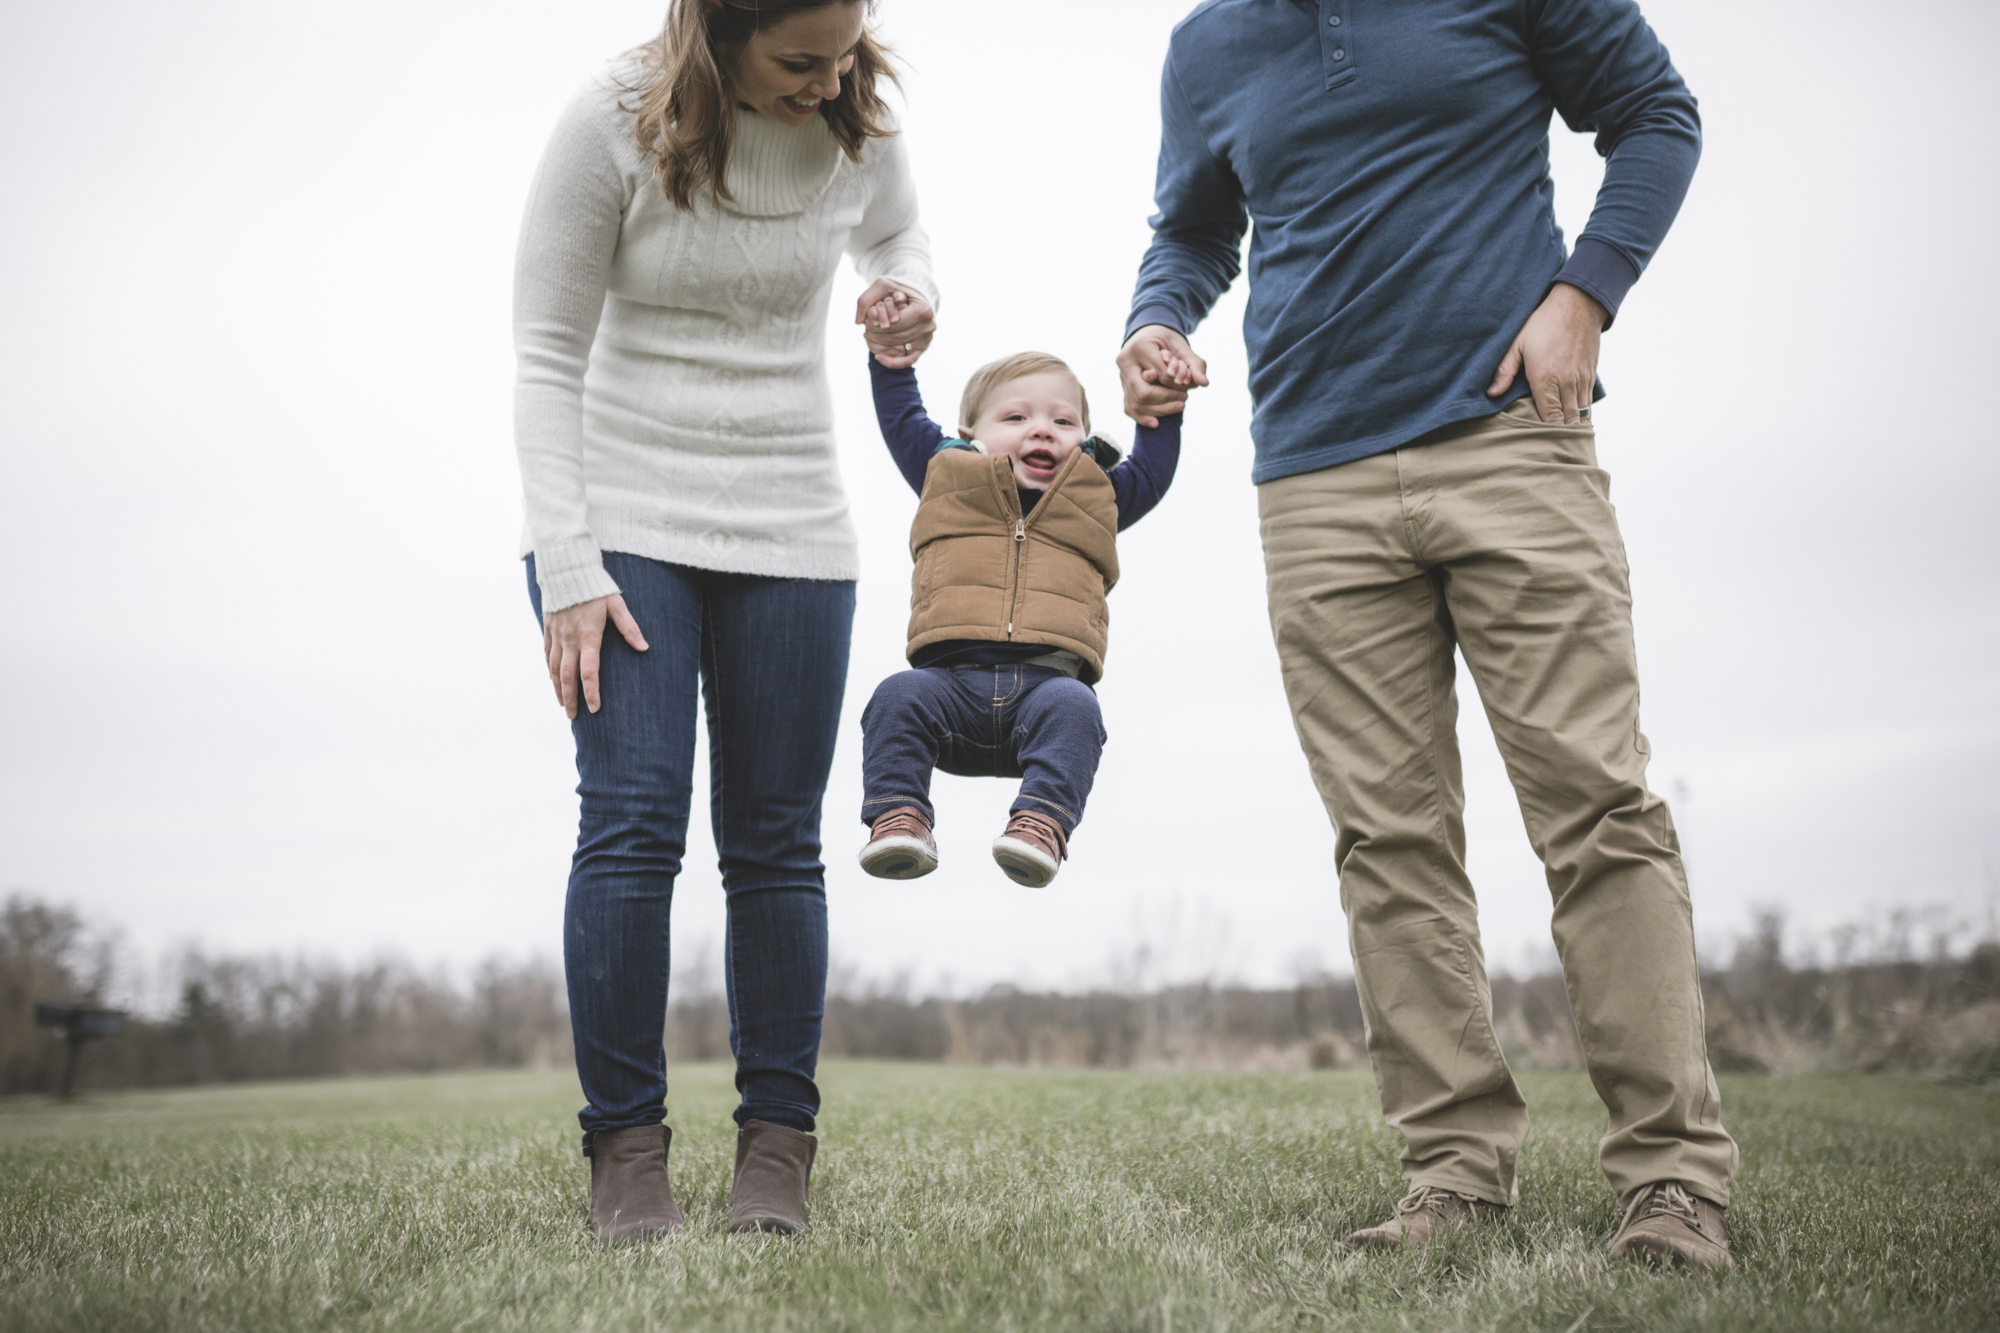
<point>802,106</point>
<point>1041,460</point>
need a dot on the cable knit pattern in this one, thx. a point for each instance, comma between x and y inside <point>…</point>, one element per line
<point>671,399</point>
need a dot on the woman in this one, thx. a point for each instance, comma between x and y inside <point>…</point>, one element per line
<point>677,457</point>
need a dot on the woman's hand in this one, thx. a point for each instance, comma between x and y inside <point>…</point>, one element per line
<point>1558,348</point>
<point>1158,368</point>
<point>571,639</point>
<point>897,322</point>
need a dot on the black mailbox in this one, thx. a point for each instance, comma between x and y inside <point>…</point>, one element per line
<point>78,1025</point>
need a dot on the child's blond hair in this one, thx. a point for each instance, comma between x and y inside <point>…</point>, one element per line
<point>1009,368</point>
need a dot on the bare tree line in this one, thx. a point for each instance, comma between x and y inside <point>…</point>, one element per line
<point>1878,1003</point>
<point>267,1016</point>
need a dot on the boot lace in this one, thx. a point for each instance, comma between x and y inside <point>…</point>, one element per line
<point>1664,1199</point>
<point>1433,1198</point>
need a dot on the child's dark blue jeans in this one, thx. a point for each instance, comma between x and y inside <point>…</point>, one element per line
<point>1015,721</point>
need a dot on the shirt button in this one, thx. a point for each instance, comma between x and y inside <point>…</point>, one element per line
<point>1339,53</point>
<point>1333,22</point>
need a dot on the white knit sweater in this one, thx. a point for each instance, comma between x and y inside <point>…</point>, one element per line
<point>671,399</point>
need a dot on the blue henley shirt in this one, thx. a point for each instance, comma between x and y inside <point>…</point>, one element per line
<point>1394,160</point>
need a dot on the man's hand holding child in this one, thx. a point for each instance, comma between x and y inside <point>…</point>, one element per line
<point>1158,369</point>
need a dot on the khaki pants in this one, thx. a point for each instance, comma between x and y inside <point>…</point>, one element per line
<point>1496,537</point>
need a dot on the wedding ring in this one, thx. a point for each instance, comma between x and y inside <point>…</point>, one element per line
<point>906,349</point>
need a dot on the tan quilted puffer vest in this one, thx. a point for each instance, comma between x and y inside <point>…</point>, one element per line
<point>985,572</point>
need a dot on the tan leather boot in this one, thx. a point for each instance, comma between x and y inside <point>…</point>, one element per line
<point>630,1198</point>
<point>1420,1215</point>
<point>1666,1224</point>
<point>773,1167</point>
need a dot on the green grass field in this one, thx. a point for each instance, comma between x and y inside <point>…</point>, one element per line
<point>954,1198</point>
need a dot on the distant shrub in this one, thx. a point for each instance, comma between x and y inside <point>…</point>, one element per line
<point>1881,1010</point>
<point>46,953</point>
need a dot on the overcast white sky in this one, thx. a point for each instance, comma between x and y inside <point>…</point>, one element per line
<point>268,677</point>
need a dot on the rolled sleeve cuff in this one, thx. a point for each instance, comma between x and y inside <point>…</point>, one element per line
<point>571,573</point>
<point>1600,272</point>
<point>1155,314</point>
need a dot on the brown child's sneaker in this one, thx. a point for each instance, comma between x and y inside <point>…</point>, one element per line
<point>1666,1224</point>
<point>900,845</point>
<point>1031,849</point>
<point>1419,1216</point>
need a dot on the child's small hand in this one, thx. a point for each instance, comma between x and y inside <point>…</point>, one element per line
<point>1180,375</point>
<point>885,311</point>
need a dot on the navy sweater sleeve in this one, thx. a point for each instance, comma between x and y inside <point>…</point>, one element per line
<point>1142,479</point>
<point>907,429</point>
<point>1611,77</point>
<point>913,438</point>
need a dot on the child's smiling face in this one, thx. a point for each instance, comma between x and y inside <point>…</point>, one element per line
<point>1036,420</point>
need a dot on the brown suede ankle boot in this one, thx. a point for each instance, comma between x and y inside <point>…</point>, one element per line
<point>773,1167</point>
<point>630,1198</point>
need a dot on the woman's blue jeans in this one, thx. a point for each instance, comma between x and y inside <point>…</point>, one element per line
<point>769,658</point>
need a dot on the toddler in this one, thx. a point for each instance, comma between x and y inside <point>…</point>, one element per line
<point>1015,549</point>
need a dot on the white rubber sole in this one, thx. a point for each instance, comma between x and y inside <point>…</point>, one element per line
<point>898,858</point>
<point>1025,863</point>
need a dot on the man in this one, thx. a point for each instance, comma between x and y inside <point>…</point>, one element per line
<point>1423,362</point>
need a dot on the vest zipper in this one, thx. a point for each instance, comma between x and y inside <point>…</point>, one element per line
<point>1021,532</point>
<point>1020,537</point>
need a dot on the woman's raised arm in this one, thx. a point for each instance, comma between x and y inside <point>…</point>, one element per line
<point>892,251</point>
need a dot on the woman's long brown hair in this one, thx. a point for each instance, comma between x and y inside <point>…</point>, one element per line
<point>685,115</point>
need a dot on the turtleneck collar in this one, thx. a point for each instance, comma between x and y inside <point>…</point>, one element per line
<point>777,170</point>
